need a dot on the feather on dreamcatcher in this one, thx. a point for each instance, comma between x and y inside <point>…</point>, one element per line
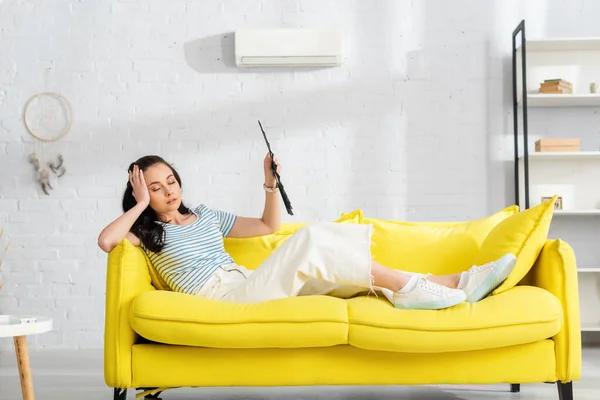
<point>48,117</point>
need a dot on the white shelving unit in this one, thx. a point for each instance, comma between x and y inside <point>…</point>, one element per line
<point>585,328</point>
<point>576,60</point>
<point>576,212</point>
<point>579,172</point>
<point>564,155</point>
<point>589,293</point>
<point>563,100</point>
<point>563,44</point>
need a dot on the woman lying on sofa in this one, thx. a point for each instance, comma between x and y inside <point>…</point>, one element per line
<point>186,247</point>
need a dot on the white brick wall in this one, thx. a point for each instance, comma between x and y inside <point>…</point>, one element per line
<point>415,125</point>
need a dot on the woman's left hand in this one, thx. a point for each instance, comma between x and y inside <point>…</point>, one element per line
<point>269,177</point>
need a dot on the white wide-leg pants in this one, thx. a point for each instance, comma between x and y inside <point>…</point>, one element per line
<point>322,258</point>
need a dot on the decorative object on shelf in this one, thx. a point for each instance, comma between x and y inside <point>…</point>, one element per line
<point>557,203</point>
<point>556,86</point>
<point>593,87</point>
<point>48,117</point>
<point>544,145</point>
<point>544,192</point>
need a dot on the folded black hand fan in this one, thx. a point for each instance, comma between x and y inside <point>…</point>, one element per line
<point>284,196</point>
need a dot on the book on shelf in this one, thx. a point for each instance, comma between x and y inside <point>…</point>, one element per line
<point>556,91</point>
<point>556,86</point>
<point>558,145</point>
<point>557,82</point>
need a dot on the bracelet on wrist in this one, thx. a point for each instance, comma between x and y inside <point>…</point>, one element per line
<point>269,189</point>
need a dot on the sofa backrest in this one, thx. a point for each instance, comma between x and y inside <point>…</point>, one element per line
<point>251,252</point>
<point>427,247</point>
<point>432,247</point>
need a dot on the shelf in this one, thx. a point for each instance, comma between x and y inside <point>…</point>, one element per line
<point>563,100</point>
<point>563,155</point>
<point>576,212</point>
<point>563,44</point>
<point>590,328</point>
<point>588,270</point>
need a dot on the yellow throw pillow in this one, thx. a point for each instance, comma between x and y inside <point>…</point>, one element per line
<point>431,247</point>
<point>251,252</point>
<point>523,235</point>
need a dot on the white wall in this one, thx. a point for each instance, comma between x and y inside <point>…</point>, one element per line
<point>415,125</point>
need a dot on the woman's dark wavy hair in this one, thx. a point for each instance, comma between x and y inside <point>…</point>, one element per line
<point>151,234</point>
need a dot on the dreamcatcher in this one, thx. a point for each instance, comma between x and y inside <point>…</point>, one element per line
<point>48,117</point>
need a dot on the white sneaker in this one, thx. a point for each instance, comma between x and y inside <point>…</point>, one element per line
<point>419,293</point>
<point>479,281</point>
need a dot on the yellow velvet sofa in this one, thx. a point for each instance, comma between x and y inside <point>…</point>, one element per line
<point>527,331</point>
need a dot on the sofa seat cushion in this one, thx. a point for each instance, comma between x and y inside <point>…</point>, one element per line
<point>181,319</point>
<point>523,314</point>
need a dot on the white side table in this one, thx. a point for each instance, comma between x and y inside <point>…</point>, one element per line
<point>11,326</point>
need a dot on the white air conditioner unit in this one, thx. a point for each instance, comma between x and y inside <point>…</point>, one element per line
<point>287,47</point>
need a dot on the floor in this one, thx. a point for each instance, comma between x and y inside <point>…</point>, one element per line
<point>81,377</point>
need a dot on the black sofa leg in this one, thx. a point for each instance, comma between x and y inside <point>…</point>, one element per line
<point>515,387</point>
<point>565,390</point>
<point>120,394</point>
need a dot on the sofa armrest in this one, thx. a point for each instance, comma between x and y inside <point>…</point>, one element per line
<point>127,276</point>
<point>556,271</point>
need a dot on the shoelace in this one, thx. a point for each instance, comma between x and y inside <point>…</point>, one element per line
<point>476,268</point>
<point>433,287</point>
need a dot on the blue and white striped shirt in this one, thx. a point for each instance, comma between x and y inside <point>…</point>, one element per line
<point>192,253</point>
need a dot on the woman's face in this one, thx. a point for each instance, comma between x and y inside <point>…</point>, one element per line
<point>165,192</point>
